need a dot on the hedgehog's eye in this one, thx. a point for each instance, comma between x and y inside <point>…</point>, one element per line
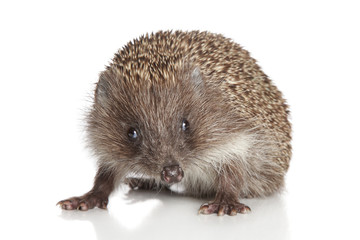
<point>132,134</point>
<point>185,125</point>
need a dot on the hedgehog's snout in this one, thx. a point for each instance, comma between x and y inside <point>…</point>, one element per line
<point>172,174</point>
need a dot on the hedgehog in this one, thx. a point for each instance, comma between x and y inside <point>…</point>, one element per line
<point>191,112</point>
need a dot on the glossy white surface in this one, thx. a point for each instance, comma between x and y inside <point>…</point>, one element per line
<point>50,57</point>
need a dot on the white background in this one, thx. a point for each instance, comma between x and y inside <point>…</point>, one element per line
<point>51,54</point>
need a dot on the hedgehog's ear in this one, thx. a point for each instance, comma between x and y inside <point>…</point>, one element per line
<point>102,89</point>
<point>193,76</point>
<point>196,78</point>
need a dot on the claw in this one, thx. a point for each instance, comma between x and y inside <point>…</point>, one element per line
<point>233,212</point>
<point>203,209</point>
<point>65,204</point>
<point>245,209</point>
<point>83,206</point>
<point>221,211</point>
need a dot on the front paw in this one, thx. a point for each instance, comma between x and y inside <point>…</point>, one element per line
<point>223,208</point>
<point>84,203</point>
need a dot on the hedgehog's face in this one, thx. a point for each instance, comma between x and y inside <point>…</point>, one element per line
<point>155,128</point>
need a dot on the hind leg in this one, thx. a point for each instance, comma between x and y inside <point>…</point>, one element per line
<point>143,184</point>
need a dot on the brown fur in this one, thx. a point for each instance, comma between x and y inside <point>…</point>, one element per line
<point>238,143</point>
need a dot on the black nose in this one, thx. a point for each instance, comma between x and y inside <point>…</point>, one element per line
<point>172,174</point>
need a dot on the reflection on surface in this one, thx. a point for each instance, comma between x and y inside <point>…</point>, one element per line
<point>164,215</point>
